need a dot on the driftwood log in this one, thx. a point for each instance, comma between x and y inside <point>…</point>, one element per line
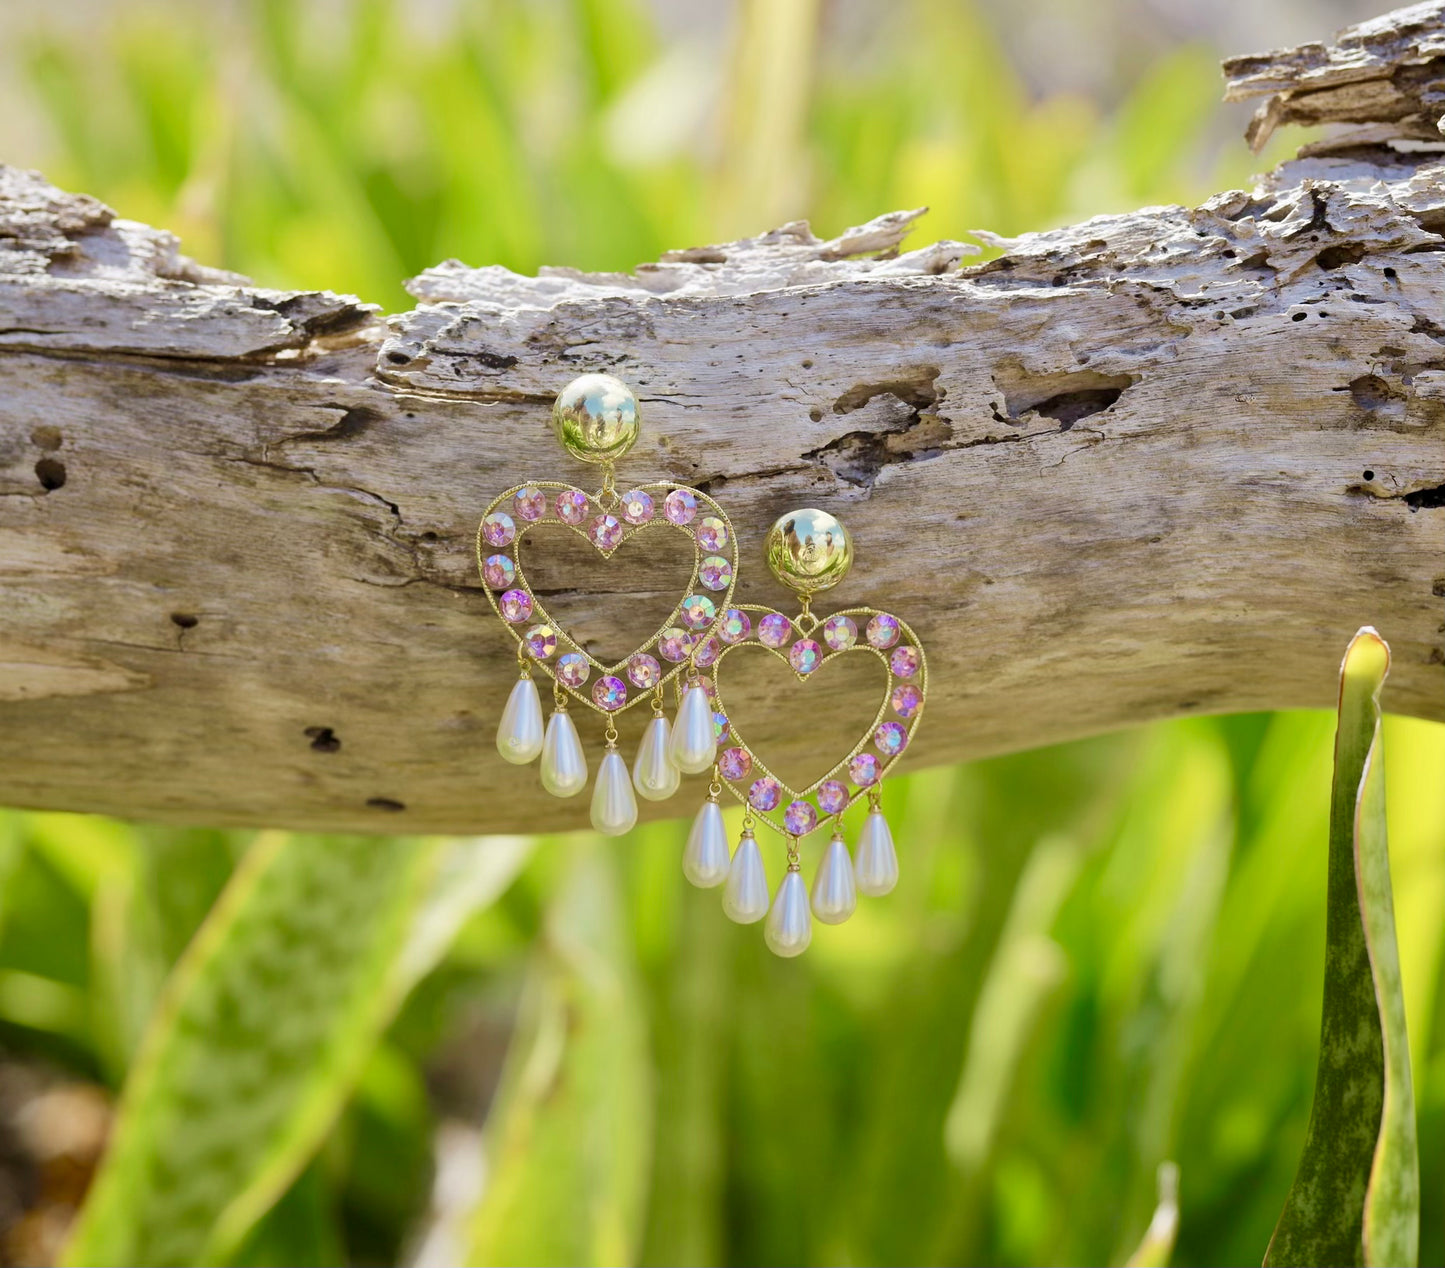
<point>1154,464</point>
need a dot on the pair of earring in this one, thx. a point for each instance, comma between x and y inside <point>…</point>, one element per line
<point>596,419</point>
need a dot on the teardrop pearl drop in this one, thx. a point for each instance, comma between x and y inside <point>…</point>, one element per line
<point>564,764</point>
<point>655,776</point>
<point>790,926</point>
<point>746,897</point>
<point>834,898</point>
<point>519,734</point>
<point>614,808</point>
<point>705,861</point>
<point>876,865</point>
<point>693,744</point>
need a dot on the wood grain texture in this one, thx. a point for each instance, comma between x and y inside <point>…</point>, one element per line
<point>1153,464</point>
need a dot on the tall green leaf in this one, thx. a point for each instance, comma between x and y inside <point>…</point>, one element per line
<point>1356,1195</point>
<point>567,1140</point>
<point>263,1029</point>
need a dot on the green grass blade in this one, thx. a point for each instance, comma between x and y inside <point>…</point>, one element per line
<point>567,1137</point>
<point>1356,1195</point>
<point>263,1030</point>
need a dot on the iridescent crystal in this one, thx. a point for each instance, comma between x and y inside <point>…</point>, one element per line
<point>707,653</point>
<point>698,611</point>
<point>804,655</point>
<point>905,661</point>
<point>882,631</point>
<point>720,727</point>
<point>515,605</point>
<point>571,506</point>
<point>709,689</point>
<point>541,641</point>
<point>498,529</point>
<point>832,796</point>
<point>906,700</point>
<point>734,626</point>
<point>644,670</point>
<point>674,644</point>
<point>715,572</point>
<point>609,692</point>
<point>573,669</point>
<point>498,571</point>
<point>765,793</point>
<point>774,629</point>
<point>530,503</point>
<point>800,818</point>
<point>712,533</point>
<point>864,770</point>
<point>680,506</point>
<point>636,506</point>
<point>734,763</point>
<point>891,738</point>
<point>840,632</point>
<point>605,532</point>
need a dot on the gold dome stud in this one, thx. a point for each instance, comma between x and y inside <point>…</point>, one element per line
<point>809,551</point>
<point>596,418</point>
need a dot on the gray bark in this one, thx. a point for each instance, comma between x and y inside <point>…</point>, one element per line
<point>1154,464</point>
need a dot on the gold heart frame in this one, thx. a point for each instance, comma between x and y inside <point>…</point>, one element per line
<point>749,778</point>
<point>606,520</point>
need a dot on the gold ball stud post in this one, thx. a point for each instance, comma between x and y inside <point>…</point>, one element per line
<point>596,418</point>
<point>809,551</point>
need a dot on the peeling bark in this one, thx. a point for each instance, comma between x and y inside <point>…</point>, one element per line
<point>1152,464</point>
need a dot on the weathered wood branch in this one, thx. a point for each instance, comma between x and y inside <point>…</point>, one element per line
<point>1152,464</point>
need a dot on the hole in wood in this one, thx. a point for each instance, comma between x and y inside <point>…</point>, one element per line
<point>385,803</point>
<point>51,474</point>
<point>323,739</point>
<point>185,620</point>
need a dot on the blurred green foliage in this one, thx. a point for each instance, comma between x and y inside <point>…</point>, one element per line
<point>1099,957</point>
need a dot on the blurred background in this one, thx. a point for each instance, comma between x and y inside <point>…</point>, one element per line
<point>1100,956</point>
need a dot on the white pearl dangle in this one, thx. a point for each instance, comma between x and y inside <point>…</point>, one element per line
<point>564,764</point>
<point>519,734</point>
<point>693,744</point>
<point>614,808</point>
<point>653,773</point>
<point>745,899</point>
<point>705,859</point>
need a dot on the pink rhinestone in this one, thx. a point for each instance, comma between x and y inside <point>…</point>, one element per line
<point>644,671</point>
<point>572,669</point>
<point>530,504</point>
<point>734,626</point>
<point>864,770</point>
<point>890,739</point>
<point>840,632</point>
<point>882,631</point>
<point>774,629</point>
<point>904,662</point>
<point>498,572</point>
<point>637,506</point>
<point>800,818</point>
<point>709,689</point>
<point>674,644</point>
<point>734,764</point>
<point>765,793</point>
<point>712,533</point>
<point>720,727</point>
<point>605,532</point>
<point>541,641</point>
<point>609,692</point>
<point>906,700</point>
<point>715,572</point>
<point>832,796</point>
<point>498,529</point>
<point>680,506</point>
<point>804,655</point>
<point>516,605</point>
<point>571,506</point>
<point>698,611</point>
<point>707,653</point>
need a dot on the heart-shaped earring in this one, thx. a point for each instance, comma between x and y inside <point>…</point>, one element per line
<point>809,551</point>
<point>596,419</point>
